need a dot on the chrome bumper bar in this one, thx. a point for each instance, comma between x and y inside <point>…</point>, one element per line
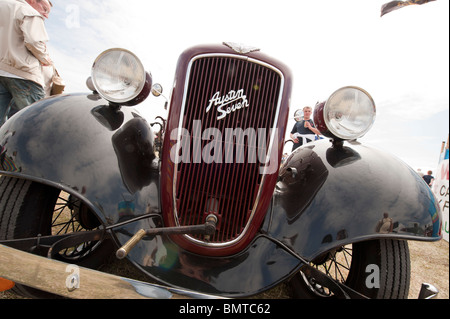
<point>76,282</point>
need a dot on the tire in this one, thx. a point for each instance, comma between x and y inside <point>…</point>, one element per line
<point>378,269</point>
<point>29,209</point>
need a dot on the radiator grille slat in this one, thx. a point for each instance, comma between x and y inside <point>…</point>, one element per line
<point>228,186</point>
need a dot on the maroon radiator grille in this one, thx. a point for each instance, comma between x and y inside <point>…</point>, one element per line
<point>218,169</point>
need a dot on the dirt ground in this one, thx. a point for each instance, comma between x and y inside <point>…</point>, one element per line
<point>429,264</point>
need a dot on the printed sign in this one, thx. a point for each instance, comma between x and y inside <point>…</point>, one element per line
<point>441,190</point>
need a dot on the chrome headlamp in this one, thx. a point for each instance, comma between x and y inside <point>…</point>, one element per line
<point>119,77</point>
<point>348,114</point>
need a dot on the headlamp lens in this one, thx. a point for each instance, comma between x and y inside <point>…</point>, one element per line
<point>349,113</point>
<point>118,75</point>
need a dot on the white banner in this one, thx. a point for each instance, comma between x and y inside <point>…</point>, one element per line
<point>440,190</point>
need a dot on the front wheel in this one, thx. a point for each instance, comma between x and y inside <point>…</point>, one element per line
<point>29,209</point>
<point>378,269</point>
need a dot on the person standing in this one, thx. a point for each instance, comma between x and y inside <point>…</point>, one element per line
<point>23,53</point>
<point>429,179</point>
<point>304,130</point>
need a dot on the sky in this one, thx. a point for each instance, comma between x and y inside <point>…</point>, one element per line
<point>401,59</point>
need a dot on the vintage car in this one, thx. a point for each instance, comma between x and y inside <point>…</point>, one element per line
<point>198,200</point>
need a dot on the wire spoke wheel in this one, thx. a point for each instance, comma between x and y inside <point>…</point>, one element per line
<point>29,209</point>
<point>349,265</point>
<point>335,264</point>
<point>66,219</point>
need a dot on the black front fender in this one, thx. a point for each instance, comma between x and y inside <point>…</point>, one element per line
<point>329,196</point>
<point>79,143</point>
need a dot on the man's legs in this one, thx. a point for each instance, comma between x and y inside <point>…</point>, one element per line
<point>5,99</point>
<point>23,93</point>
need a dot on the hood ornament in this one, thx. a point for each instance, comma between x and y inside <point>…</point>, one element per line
<point>241,48</point>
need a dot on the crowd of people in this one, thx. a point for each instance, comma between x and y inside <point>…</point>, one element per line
<point>26,69</point>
